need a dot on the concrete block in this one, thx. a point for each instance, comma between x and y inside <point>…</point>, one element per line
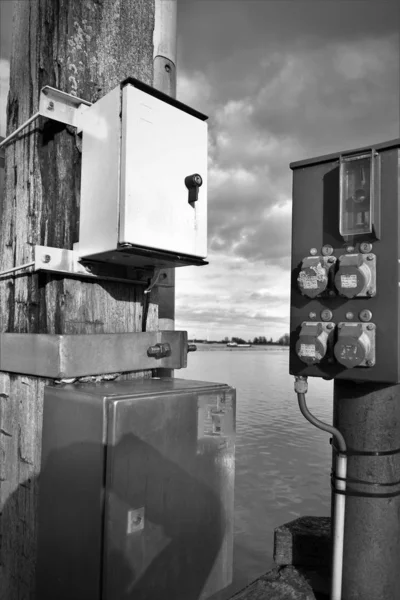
<point>282,583</point>
<point>304,542</point>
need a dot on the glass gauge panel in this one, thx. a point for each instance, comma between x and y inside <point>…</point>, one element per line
<point>356,195</point>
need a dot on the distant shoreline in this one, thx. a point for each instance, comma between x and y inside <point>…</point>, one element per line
<point>258,348</point>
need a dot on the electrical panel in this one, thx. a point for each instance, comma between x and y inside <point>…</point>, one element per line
<point>345,265</point>
<point>144,180</point>
<point>136,490</point>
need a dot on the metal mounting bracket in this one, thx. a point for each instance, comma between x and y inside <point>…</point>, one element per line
<point>66,356</point>
<point>62,107</point>
<point>68,263</point>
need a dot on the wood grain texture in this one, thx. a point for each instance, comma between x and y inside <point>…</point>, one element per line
<point>84,48</point>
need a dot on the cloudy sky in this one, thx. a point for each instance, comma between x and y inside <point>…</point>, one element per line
<point>280,81</point>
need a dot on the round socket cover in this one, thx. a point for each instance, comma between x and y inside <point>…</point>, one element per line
<point>352,346</point>
<point>311,345</point>
<point>353,276</point>
<point>350,353</point>
<point>313,277</point>
<point>311,349</point>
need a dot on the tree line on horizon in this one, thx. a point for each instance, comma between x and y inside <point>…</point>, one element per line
<point>257,341</point>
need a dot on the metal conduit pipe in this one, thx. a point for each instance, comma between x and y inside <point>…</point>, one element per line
<point>301,387</point>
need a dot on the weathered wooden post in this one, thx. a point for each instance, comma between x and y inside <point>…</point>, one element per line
<point>85,49</point>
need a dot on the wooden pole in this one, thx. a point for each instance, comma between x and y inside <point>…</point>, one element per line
<point>86,49</point>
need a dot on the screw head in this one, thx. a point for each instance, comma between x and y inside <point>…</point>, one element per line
<point>365,315</point>
<point>331,259</point>
<point>46,258</point>
<point>370,257</point>
<point>349,248</point>
<point>327,250</point>
<point>370,326</point>
<point>370,293</point>
<point>167,68</point>
<point>50,105</point>
<point>329,325</point>
<point>312,315</point>
<point>370,363</point>
<point>349,316</point>
<point>313,252</point>
<point>326,315</point>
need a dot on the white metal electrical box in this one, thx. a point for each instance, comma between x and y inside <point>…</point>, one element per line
<point>144,180</point>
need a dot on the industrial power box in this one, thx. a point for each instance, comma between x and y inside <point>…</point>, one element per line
<point>345,265</point>
<point>144,180</point>
<point>136,490</point>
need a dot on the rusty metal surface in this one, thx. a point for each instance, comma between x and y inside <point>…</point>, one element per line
<point>64,356</point>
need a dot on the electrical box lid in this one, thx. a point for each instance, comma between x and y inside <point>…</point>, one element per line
<point>142,387</point>
<point>164,97</point>
<point>308,162</point>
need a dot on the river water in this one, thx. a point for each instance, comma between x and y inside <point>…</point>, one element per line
<point>282,462</point>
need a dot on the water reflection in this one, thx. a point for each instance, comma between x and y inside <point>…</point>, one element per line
<point>282,462</point>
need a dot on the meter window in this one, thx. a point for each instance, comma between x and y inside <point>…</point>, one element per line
<point>356,195</point>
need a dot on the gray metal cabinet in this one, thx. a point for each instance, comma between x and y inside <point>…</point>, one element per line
<point>136,491</point>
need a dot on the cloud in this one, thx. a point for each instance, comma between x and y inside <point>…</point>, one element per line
<point>229,36</point>
<point>343,95</point>
<point>232,296</point>
<point>194,89</point>
<point>338,96</point>
<point>305,98</point>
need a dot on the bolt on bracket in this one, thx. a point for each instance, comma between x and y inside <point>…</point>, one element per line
<point>62,107</point>
<point>69,263</point>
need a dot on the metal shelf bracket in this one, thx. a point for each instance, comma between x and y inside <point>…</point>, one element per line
<point>62,107</point>
<point>73,356</point>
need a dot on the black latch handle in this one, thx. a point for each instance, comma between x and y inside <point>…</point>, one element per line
<point>193,182</point>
